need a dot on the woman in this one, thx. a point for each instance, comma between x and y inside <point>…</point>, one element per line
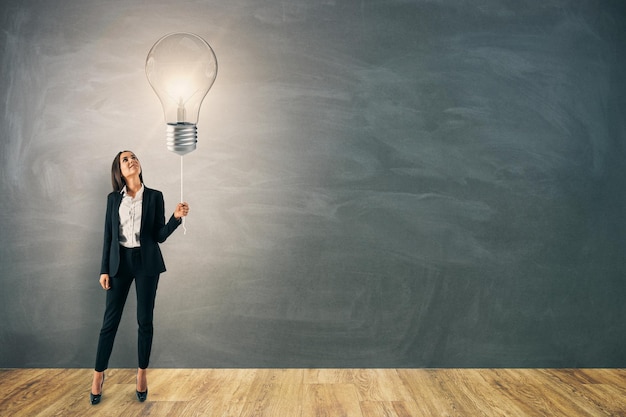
<point>134,227</point>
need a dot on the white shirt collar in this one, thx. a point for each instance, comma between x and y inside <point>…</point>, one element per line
<point>139,193</point>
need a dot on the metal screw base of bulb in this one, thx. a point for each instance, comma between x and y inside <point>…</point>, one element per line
<point>181,137</point>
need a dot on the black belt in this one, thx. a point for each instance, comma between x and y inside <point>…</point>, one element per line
<point>136,249</point>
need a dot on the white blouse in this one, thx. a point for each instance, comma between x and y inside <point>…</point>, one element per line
<point>130,218</point>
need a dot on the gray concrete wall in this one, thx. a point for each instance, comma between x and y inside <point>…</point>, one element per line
<point>376,184</point>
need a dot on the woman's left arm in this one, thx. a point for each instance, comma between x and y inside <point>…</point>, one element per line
<point>166,229</point>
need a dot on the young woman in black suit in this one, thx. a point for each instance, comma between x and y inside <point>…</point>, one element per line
<point>134,227</point>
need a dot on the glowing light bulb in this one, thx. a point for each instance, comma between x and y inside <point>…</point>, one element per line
<point>181,68</point>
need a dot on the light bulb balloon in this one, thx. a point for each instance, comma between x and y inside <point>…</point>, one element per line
<point>181,68</point>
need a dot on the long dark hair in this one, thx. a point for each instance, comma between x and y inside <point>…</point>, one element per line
<point>117,180</point>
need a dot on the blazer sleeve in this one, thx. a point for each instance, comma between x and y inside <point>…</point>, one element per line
<point>164,230</point>
<point>108,236</point>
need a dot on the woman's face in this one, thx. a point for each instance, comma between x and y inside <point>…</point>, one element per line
<point>129,164</point>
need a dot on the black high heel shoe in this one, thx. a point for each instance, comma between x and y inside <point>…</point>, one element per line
<point>141,395</point>
<point>95,398</point>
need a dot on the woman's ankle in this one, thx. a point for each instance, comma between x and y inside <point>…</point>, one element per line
<point>142,383</point>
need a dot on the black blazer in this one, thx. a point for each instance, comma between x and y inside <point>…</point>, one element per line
<point>153,231</point>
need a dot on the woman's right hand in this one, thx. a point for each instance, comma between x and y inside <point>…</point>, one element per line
<point>105,281</point>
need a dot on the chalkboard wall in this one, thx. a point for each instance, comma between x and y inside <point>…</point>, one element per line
<point>377,183</point>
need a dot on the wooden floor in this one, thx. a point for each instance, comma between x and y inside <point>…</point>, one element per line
<point>319,392</point>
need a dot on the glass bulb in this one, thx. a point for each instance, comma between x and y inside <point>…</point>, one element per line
<point>181,68</point>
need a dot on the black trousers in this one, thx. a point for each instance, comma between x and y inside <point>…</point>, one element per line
<point>131,269</point>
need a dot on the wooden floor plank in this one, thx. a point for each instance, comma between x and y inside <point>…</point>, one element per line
<point>461,392</point>
<point>385,409</point>
<point>481,394</point>
<point>329,376</point>
<point>319,392</point>
<point>380,385</point>
<point>274,392</point>
<point>428,395</point>
<point>502,394</point>
<point>611,399</point>
<point>330,400</point>
<point>540,391</point>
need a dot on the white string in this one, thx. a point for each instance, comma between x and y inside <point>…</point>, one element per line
<point>181,191</point>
